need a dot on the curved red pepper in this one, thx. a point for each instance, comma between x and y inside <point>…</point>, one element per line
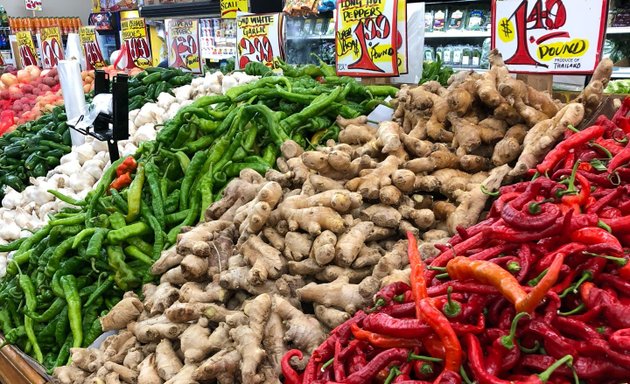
<point>620,340</point>
<point>390,326</point>
<point>562,149</point>
<point>290,375</point>
<point>598,240</point>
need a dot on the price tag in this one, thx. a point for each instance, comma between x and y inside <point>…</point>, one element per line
<point>26,48</point>
<point>550,36</point>
<point>134,35</point>
<point>229,8</point>
<point>183,44</point>
<point>91,49</point>
<point>259,38</point>
<point>51,47</point>
<point>33,5</point>
<point>367,38</point>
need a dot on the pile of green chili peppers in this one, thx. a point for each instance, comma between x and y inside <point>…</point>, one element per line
<point>73,270</point>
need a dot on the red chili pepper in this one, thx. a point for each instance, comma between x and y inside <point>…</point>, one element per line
<point>388,292</point>
<point>624,272</point>
<point>475,329</point>
<point>586,368</point>
<point>620,340</point>
<point>380,361</point>
<point>443,328</point>
<point>536,295</point>
<point>606,200</point>
<point>598,240</point>
<point>620,159</point>
<point>290,375</point>
<point>121,182</point>
<point>448,377</point>
<point>491,252</point>
<point>621,118</point>
<point>562,149</point>
<point>536,216</point>
<point>555,344</point>
<point>383,341</point>
<point>387,325</point>
<point>127,166</point>
<point>610,145</point>
<point>417,276</point>
<point>576,328</point>
<point>620,225</point>
<point>500,231</point>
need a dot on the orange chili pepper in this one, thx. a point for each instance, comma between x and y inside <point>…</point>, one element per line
<point>488,273</point>
<point>442,326</point>
<point>121,182</point>
<point>383,341</point>
<point>535,296</point>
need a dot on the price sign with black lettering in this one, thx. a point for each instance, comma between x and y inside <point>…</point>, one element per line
<point>51,47</point>
<point>91,49</point>
<point>549,36</point>
<point>182,37</point>
<point>258,38</point>
<point>367,38</point>
<point>134,35</point>
<point>26,48</point>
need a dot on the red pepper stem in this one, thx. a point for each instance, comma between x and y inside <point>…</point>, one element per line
<point>451,308</point>
<point>426,369</point>
<point>533,282</point>
<point>393,372</point>
<point>464,375</point>
<point>514,266</point>
<point>413,356</point>
<point>601,148</point>
<point>534,207</point>
<point>573,311</point>
<point>529,350</point>
<point>620,261</point>
<point>327,364</point>
<point>485,191</point>
<point>546,374</point>
<point>603,225</point>
<point>572,128</point>
<point>587,275</point>
<point>400,298</point>
<point>508,340</point>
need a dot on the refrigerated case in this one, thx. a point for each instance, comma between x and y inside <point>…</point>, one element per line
<point>107,26</point>
<point>310,35</point>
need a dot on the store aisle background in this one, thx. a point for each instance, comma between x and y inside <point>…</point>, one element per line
<point>51,8</point>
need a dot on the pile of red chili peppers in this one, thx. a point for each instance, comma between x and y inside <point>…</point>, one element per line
<point>538,292</point>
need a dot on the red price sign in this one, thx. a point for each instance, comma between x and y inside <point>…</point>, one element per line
<point>258,39</point>
<point>91,49</point>
<point>183,38</point>
<point>549,36</point>
<point>51,47</point>
<point>367,38</point>
<point>33,5</point>
<point>26,48</point>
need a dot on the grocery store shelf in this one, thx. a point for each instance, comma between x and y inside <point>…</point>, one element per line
<point>480,70</point>
<point>618,30</point>
<point>198,9</point>
<point>621,73</point>
<point>322,37</point>
<point>456,34</point>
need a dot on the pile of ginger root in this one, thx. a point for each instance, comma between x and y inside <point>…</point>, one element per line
<point>282,259</point>
<point>491,119</point>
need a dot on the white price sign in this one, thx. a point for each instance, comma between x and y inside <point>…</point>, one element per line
<point>549,36</point>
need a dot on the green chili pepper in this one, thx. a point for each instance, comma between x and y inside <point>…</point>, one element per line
<point>101,188</point>
<point>53,310</point>
<point>171,203</point>
<point>66,199</point>
<point>58,254</point>
<point>94,246</point>
<point>134,196</point>
<point>157,204</point>
<point>123,276</point>
<point>87,232</point>
<point>71,293</point>
<point>99,291</point>
<point>117,236</point>
<point>31,304</point>
<point>195,166</point>
<point>137,254</point>
<point>177,217</point>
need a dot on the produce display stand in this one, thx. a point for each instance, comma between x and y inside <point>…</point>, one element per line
<point>16,369</point>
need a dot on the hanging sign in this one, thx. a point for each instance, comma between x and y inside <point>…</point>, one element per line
<point>91,49</point>
<point>134,36</point>
<point>51,48</point>
<point>229,8</point>
<point>183,44</point>
<point>259,38</point>
<point>401,45</point>
<point>26,48</point>
<point>550,36</point>
<point>367,38</point>
<point>33,5</point>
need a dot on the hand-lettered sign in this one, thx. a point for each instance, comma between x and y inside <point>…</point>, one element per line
<point>549,36</point>
<point>51,47</point>
<point>26,48</point>
<point>134,36</point>
<point>229,8</point>
<point>258,38</point>
<point>367,37</point>
<point>91,49</point>
<point>183,44</point>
